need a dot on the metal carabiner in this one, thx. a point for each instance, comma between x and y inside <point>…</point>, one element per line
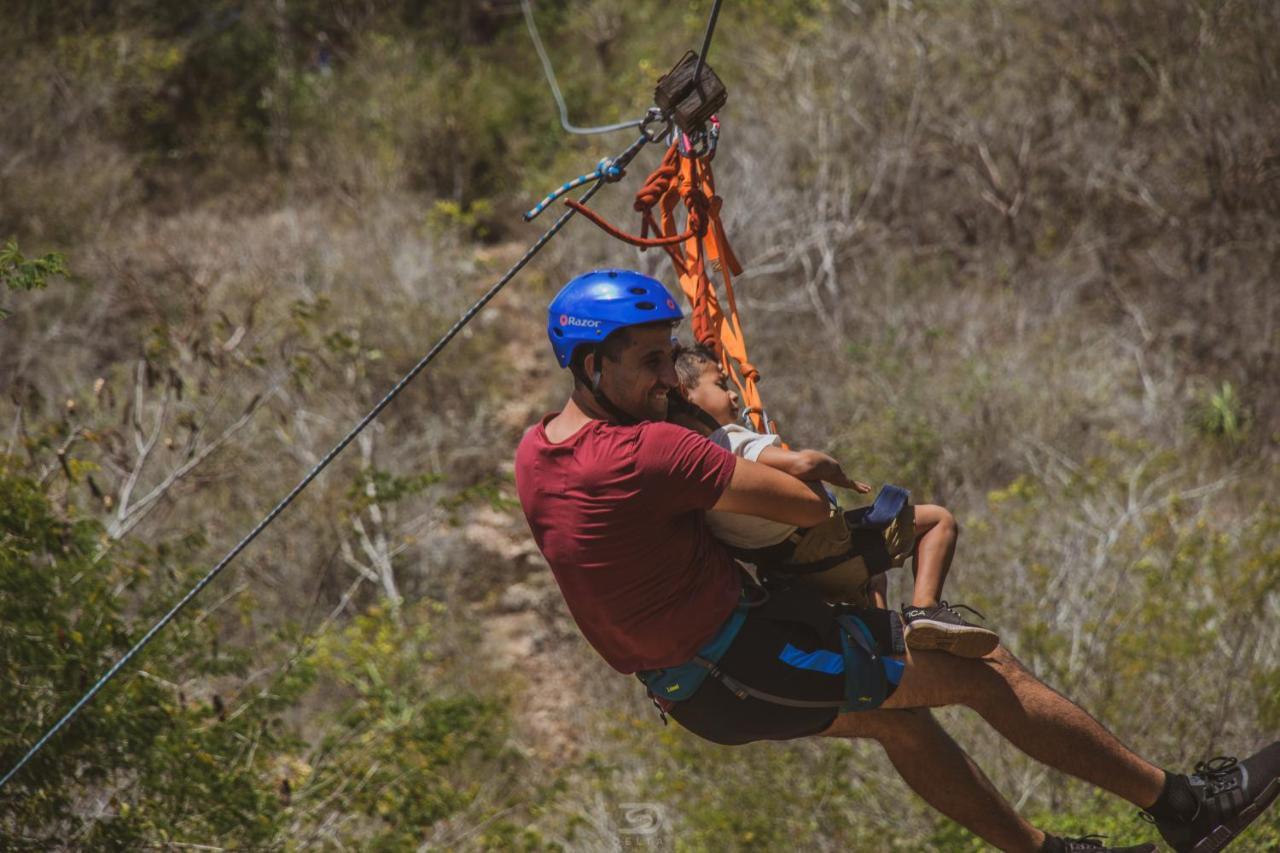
<point>745,417</point>
<point>654,116</point>
<point>700,145</point>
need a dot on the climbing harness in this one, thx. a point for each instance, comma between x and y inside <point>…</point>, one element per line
<point>868,673</point>
<point>859,654</point>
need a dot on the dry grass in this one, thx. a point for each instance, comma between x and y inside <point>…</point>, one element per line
<point>1024,248</point>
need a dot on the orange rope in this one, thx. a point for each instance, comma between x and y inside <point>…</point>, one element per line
<point>703,239</point>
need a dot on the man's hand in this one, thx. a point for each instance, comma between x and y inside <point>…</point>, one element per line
<point>811,465</point>
<point>762,490</point>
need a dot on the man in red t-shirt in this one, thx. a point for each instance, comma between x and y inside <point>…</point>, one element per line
<point>615,500</point>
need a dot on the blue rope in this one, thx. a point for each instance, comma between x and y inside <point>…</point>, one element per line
<point>653,127</point>
<point>621,160</point>
<point>606,170</point>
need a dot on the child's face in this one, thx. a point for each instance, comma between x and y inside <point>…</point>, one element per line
<point>713,396</point>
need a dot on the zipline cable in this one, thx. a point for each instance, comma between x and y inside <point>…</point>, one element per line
<point>621,162</point>
<point>706,41</point>
<point>555,88</point>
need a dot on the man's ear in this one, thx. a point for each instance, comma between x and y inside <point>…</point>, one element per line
<point>591,368</point>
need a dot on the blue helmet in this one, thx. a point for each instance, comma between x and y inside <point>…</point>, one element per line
<point>596,304</point>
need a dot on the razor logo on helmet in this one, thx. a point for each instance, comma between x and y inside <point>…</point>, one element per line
<point>566,320</point>
<point>595,304</point>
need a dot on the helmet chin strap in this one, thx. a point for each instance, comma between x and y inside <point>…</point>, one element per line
<point>616,415</point>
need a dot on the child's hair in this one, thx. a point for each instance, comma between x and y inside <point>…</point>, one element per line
<point>690,360</point>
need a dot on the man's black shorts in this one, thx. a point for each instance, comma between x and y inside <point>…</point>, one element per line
<point>789,646</point>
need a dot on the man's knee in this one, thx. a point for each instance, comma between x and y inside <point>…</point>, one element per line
<point>998,678</point>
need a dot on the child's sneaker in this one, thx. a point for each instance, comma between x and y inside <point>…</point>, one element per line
<point>941,628</point>
<point>1229,795</point>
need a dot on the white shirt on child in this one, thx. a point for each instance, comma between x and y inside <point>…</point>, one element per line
<point>736,529</point>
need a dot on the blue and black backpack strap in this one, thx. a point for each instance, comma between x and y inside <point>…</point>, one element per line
<point>864,685</point>
<point>678,683</point>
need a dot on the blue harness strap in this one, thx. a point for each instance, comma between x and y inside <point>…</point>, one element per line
<point>866,678</point>
<point>677,683</point>
<point>867,671</point>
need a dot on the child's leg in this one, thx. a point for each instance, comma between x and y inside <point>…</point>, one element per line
<point>928,624</point>
<point>878,586</point>
<point>936,534</point>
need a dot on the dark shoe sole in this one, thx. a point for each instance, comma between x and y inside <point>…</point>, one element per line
<point>1222,835</point>
<point>965,641</point>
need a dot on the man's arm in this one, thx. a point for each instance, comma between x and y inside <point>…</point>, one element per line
<point>809,465</point>
<point>757,489</point>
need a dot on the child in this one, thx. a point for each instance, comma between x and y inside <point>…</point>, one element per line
<point>844,559</point>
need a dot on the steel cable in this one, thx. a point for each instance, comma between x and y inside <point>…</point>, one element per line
<point>706,41</point>
<point>555,88</point>
<point>622,160</point>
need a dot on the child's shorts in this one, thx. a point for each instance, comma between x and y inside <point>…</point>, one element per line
<point>869,552</point>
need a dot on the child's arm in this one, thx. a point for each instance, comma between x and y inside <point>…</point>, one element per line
<point>810,465</point>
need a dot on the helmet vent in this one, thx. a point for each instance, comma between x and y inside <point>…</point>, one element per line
<point>559,331</point>
<point>638,291</point>
<point>646,306</point>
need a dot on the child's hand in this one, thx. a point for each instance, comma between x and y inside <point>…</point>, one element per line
<point>820,466</point>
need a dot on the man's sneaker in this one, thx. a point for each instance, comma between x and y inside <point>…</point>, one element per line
<point>942,628</point>
<point>1091,844</point>
<point>1229,796</point>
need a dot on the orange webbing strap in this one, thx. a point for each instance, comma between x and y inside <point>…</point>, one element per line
<point>712,325</point>
<point>691,180</point>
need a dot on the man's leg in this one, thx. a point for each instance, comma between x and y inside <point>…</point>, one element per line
<point>940,772</point>
<point>1036,719</point>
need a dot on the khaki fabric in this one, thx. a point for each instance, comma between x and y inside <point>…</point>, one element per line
<point>900,536</point>
<point>847,581</point>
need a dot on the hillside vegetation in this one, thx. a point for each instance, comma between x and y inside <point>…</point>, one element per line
<point>1021,257</point>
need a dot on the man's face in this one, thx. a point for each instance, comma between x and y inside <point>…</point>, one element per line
<point>639,380</point>
<point>713,396</point>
